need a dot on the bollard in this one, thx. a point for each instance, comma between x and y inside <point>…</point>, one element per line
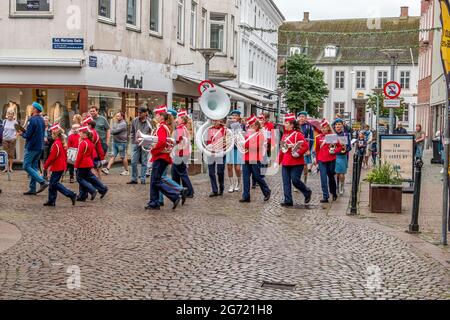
<point>414,226</point>
<point>355,183</point>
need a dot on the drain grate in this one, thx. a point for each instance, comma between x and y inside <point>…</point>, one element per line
<point>278,285</point>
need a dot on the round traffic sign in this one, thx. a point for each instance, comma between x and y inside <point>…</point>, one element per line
<point>392,89</point>
<point>204,85</point>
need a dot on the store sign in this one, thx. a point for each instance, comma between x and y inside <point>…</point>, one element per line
<point>93,61</point>
<point>399,151</point>
<point>133,83</point>
<point>68,43</point>
<point>393,103</point>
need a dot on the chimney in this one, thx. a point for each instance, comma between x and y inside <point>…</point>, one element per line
<point>404,12</point>
<point>305,16</point>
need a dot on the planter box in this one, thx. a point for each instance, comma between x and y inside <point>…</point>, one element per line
<point>385,198</point>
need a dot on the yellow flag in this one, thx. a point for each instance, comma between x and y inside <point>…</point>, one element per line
<point>445,41</point>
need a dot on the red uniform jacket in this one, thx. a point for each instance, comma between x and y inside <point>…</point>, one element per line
<point>254,143</point>
<point>292,137</point>
<point>73,141</point>
<point>99,152</point>
<point>158,150</point>
<point>323,153</point>
<point>85,155</point>
<point>215,134</point>
<point>181,134</point>
<point>269,127</point>
<point>57,160</point>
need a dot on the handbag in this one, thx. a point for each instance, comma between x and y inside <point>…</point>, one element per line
<point>72,155</point>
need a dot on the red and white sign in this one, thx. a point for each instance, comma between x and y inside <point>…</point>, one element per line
<point>392,90</point>
<point>204,85</point>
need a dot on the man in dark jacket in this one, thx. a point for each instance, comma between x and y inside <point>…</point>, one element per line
<point>34,136</point>
<point>400,129</point>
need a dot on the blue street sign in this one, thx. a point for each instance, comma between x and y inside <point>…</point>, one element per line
<point>68,43</point>
<point>93,61</point>
<point>3,159</point>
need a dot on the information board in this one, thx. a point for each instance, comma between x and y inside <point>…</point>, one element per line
<point>399,151</point>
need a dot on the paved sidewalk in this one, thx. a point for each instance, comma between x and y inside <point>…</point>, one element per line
<point>9,236</point>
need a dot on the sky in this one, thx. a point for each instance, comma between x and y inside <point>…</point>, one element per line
<point>344,9</point>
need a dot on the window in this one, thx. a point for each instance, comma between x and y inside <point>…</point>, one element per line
<point>320,110</point>
<point>38,8</point>
<point>204,28</point>
<point>360,79</point>
<point>382,79</point>
<point>330,52</point>
<point>339,80</point>
<point>339,108</point>
<point>133,14</point>
<point>234,37</point>
<point>404,118</point>
<point>405,79</point>
<point>217,39</point>
<point>193,28</point>
<point>250,65</point>
<point>156,17</point>
<point>107,10</point>
<point>180,21</point>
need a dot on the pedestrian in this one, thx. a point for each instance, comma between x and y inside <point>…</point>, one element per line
<point>361,145</point>
<point>368,136</point>
<point>342,157</point>
<point>254,154</point>
<point>72,144</point>
<point>48,142</point>
<point>182,153</point>
<point>57,164</point>
<point>120,140</point>
<point>99,154</point>
<point>308,132</point>
<point>292,161</point>
<point>89,183</point>
<point>216,134</point>
<point>374,150</point>
<point>161,159</point>
<point>77,119</point>
<point>9,138</point>
<point>143,125</point>
<point>419,141</point>
<point>34,136</point>
<point>326,159</point>
<point>234,157</point>
<point>400,129</point>
<point>101,127</point>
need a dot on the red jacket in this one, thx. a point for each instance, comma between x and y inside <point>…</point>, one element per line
<point>292,137</point>
<point>99,152</point>
<point>73,141</point>
<point>323,153</point>
<point>181,134</point>
<point>57,160</point>
<point>254,143</point>
<point>85,155</point>
<point>158,152</point>
<point>269,127</point>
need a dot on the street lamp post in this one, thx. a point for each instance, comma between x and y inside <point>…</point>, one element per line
<point>208,54</point>
<point>377,91</point>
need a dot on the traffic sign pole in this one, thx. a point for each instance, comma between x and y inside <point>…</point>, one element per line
<point>392,91</point>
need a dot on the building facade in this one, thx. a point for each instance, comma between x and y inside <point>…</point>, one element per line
<point>354,64</point>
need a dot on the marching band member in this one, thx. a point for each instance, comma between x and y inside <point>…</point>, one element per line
<point>57,163</point>
<point>342,157</point>
<point>99,154</point>
<point>182,153</point>
<point>89,183</point>
<point>234,157</point>
<point>326,158</point>
<point>308,132</point>
<point>72,142</point>
<point>292,161</point>
<point>215,133</point>
<point>254,146</point>
<point>269,133</point>
<point>161,159</point>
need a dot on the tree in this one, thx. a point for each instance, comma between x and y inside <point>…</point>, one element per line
<point>384,112</point>
<point>303,82</point>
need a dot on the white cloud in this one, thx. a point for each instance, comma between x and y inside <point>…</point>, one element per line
<point>344,9</point>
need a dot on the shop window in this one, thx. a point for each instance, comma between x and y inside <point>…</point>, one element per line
<point>156,17</point>
<point>107,11</point>
<point>31,8</point>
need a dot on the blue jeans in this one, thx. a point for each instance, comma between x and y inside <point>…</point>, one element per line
<point>253,169</point>
<point>56,186</point>
<point>166,179</point>
<point>180,175</point>
<point>119,148</point>
<point>31,166</point>
<point>220,163</point>
<point>158,184</point>
<point>89,183</point>
<point>292,176</point>
<point>419,152</point>
<point>141,156</point>
<point>327,178</point>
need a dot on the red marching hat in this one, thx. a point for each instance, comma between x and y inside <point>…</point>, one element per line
<point>161,109</point>
<point>289,117</point>
<point>55,127</point>
<point>87,120</point>
<point>84,129</point>
<point>252,120</point>
<point>324,123</point>
<point>182,113</point>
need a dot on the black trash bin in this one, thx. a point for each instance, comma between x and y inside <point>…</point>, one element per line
<point>436,155</point>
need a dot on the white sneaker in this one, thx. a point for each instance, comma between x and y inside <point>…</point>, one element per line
<point>231,190</point>
<point>125,173</point>
<point>237,186</point>
<point>442,170</point>
<point>105,171</point>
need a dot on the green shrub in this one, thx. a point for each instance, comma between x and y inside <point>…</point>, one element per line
<point>384,174</point>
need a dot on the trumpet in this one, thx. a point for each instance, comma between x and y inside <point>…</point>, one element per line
<point>146,141</point>
<point>239,141</point>
<point>293,146</point>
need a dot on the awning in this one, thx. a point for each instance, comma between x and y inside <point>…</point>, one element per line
<point>251,96</point>
<point>41,58</point>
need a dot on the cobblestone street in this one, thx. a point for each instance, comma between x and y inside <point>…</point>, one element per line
<point>208,249</point>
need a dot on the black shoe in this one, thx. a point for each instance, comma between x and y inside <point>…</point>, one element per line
<point>161,204</point>
<point>152,208</point>
<point>29,193</point>
<point>49,204</point>
<point>267,197</point>
<point>102,195</point>
<point>74,199</point>
<point>308,197</point>
<point>221,192</point>
<point>176,203</point>
<point>244,200</point>
<point>335,197</point>
<point>184,195</point>
<point>324,201</point>
<point>191,196</point>
<point>253,187</point>
<point>93,195</point>
<point>132,182</point>
<point>42,188</point>
<point>286,204</point>
<point>213,194</point>
<point>80,199</point>
<point>142,182</point>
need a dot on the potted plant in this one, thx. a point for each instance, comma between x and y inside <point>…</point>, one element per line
<point>385,189</point>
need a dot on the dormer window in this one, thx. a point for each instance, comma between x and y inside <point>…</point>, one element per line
<point>330,51</point>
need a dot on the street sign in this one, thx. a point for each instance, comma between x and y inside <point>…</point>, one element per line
<point>392,89</point>
<point>3,159</point>
<point>392,103</point>
<point>68,43</point>
<point>399,151</point>
<point>93,61</point>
